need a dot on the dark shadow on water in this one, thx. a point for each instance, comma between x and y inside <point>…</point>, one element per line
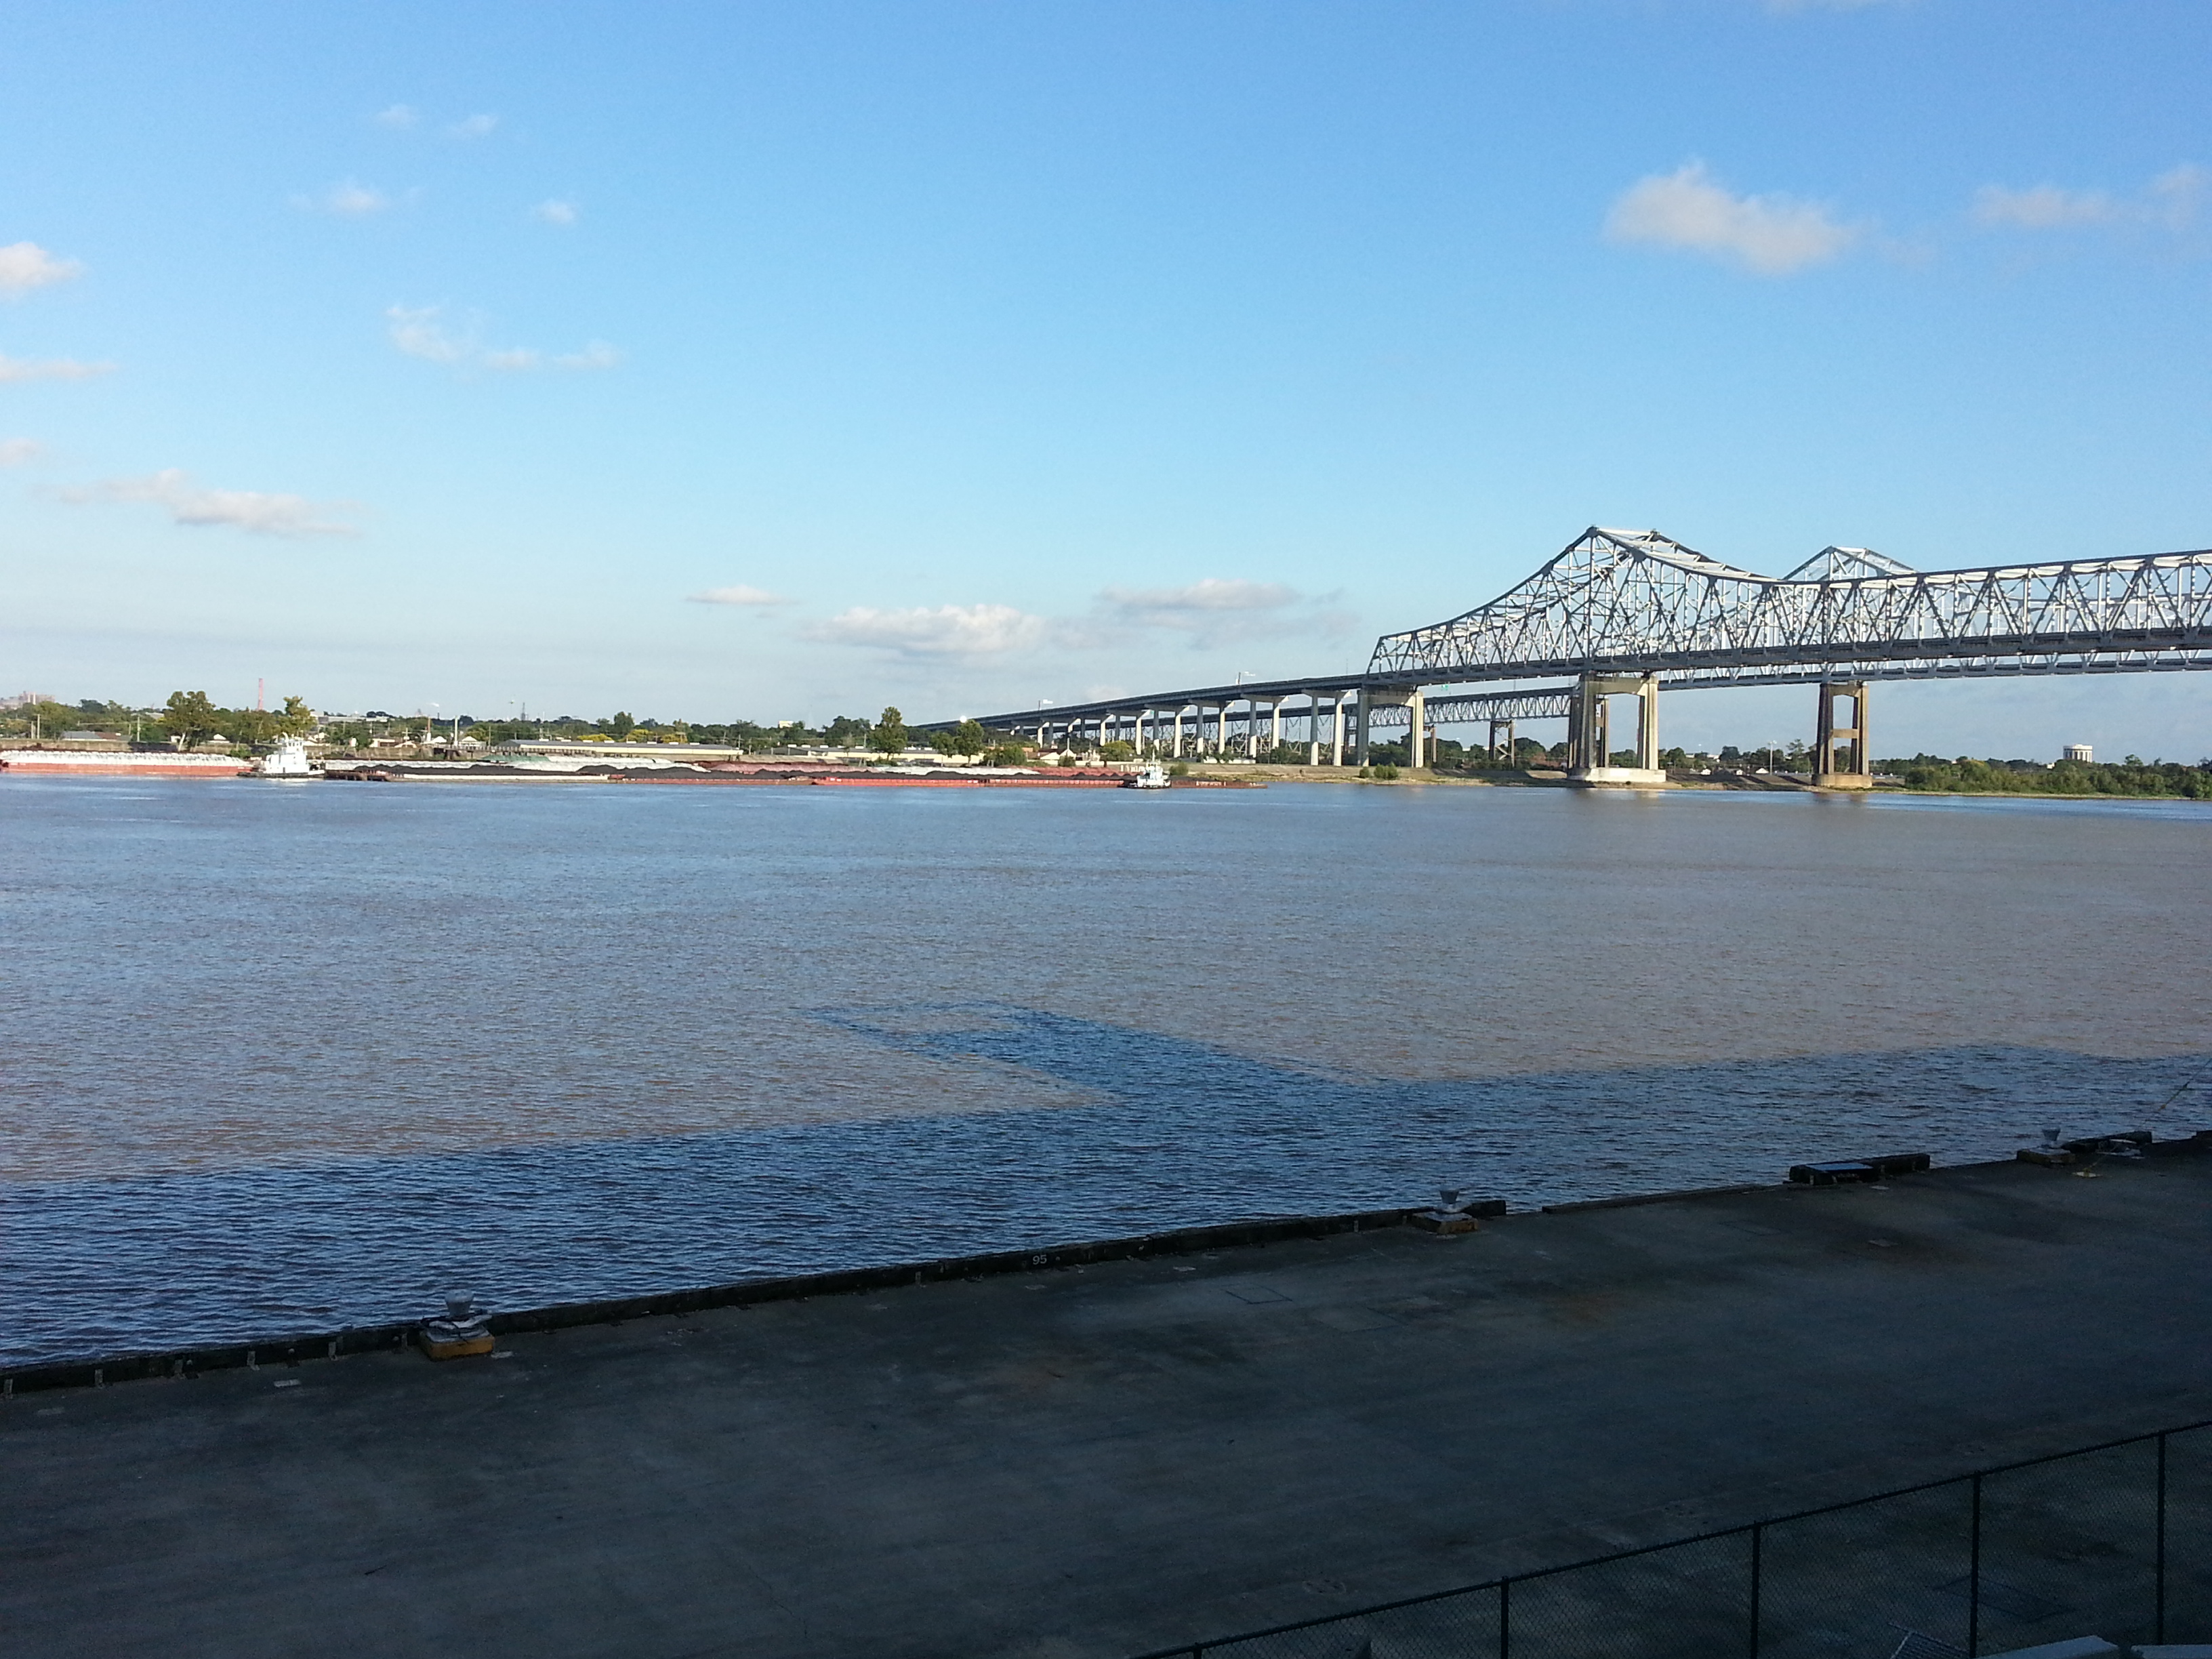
<point>1181,1133</point>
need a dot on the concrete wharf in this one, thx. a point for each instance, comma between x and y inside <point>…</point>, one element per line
<point>1098,1460</point>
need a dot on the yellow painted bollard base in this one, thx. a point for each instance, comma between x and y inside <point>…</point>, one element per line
<point>461,1349</point>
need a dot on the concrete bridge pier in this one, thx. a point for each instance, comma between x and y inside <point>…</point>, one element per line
<point>1853,767</point>
<point>1590,754</point>
<point>1370,700</point>
<point>1508,755</point>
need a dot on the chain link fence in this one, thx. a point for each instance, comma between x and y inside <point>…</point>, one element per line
<point>2112,1540</point>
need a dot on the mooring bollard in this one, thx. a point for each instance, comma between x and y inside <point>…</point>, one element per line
<point>461,1333</point>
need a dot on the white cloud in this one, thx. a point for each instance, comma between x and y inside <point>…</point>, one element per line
<point>1770,235</point>
<point>347,199</point>
<point>49,368</point>
<point>2043,207</point>
<point>1206,613</point>
<point>2176,195</point>
<point>563,213</point>
<point>26,266</point>
<point>741,595</point>
<point>400,117</point>
<point>420,331</point>
<point>20,452</point>
<point>416,330</point>
<point>476,126</point>
<point>1179,607</point>
<point>597,354</point>
<point>259,512</point>
<point>1214,610</point>
<point>2172,200</point>
<point>946,631</point>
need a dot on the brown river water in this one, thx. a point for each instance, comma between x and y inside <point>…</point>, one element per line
<point>280,1058</point>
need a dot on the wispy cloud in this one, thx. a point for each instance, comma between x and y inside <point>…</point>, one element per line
<point>398,117</point>
<point>422,331</point>
<point>1206,613</point>
<point>261,513</point>
<point>49,368</point>
<point>1217,609</point>
<point>2172,200</point>
<point>26,266</point>
<point>475,127</point>
<point>20,452</point>
<point>563,213</point>
<point>2043,207</point>
<point>755,598</point>
<point>347,199</point>
<point>1769,235</point>
<point>943,633</point>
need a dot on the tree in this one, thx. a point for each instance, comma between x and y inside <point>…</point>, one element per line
<point>621,725</point>
<point>1006,754</point>
<point>1115,749</point>
<point>190,716</point>
<point>888,736</point>
<point>845,732</point>
<point>968,737</point>
<point>297,720</point>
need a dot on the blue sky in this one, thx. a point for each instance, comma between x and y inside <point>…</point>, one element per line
<point>964,355</point>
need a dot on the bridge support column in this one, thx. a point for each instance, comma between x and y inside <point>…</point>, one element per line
<point>1508,757</point>
<point>1416,739</point>
<point>1589,758</point>
<point>1841,759</point>
<point>1336,719</point>
<point>1274,726</point>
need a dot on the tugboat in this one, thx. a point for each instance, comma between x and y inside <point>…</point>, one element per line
<point>1150,777</point>
<point>288,762</point>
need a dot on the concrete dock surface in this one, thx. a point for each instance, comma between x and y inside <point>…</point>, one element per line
<point>1094,1462</point>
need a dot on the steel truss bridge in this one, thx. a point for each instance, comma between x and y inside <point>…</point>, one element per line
<point>1633,611</point>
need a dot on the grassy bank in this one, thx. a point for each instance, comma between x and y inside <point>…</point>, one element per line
<point>1932,775</point>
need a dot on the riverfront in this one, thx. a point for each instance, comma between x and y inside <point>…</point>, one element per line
<point>1087,1462</point>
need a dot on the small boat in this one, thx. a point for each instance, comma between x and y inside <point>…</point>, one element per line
<point>1149,777</point>
<point>288,760</point>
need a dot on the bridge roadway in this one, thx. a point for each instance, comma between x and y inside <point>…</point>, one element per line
<point>1634,612</point>
<point>1085,1464</point>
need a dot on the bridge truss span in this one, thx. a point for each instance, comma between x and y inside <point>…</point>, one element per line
<point>1617,601</point>
<point>1633,613</point>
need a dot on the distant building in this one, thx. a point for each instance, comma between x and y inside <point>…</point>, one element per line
<point>25,699</point>
<point>2077,752</point>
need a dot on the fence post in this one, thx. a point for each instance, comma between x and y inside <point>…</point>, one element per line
<point>1974,1577</point>
<point>2158,1620</point>
<point>1504,1617</point>
<point>1757,1532</point>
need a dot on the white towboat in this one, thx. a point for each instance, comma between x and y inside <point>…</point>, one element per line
<point>1149,777</point>
<point>288,760</point>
